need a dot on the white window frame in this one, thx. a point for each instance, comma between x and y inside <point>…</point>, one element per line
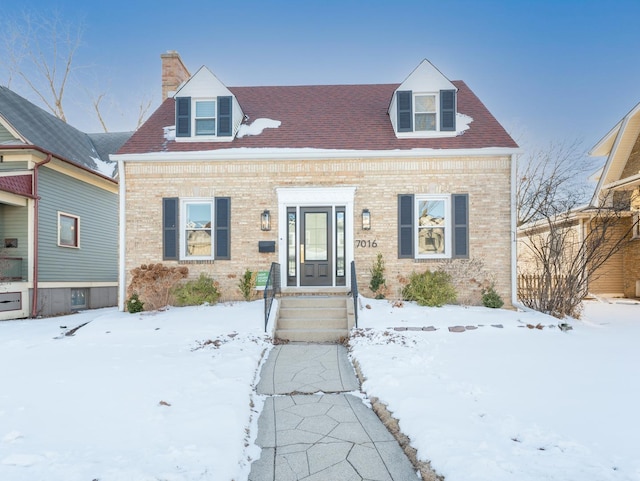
<point>635,219</point>
<point>194,109</point>
<point>184,202</point>
<point>77,226</point>
<point>446,198</point>
<point>436,111</point>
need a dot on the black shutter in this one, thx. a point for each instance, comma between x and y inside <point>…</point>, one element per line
<point>448,110</point>
<point>404,99</point>
<point>224,116</point>
<point>183,117</point>
<point>223,228</point>
<point>460,213</point>
<point>170,228</point>
<point>405,226</point>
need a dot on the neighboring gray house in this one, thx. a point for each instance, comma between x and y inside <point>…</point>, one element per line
<point>58,213</point>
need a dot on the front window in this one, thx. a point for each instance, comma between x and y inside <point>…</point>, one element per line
<point>433,227</point>
<point>205,117</point>
<point>196,221</point>
<point>425,112</point>
<point>68,230</point>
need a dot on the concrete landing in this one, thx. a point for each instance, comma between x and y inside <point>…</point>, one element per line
<point>321,437</point>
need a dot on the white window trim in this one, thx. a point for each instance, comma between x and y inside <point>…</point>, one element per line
<point>436,96</point>
<point>194,135</point>
<point>447,225</point>
<point>77,219</point>
<point>635,219</point>
<point>183,228</point>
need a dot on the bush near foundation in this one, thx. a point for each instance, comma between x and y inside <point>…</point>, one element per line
<point>203,290</point>
<point>247,284</point>
<point>433,289</point>
<point>153,284</point>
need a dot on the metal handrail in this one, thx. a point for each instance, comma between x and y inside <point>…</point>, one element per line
<point>354,291</point>
<point>271,288</point>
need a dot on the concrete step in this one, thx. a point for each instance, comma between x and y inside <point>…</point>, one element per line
<point>313,313</point>
<point>312,324</point>
<point>312,318</point>
<point>315,335</point>
<point>308,302</point>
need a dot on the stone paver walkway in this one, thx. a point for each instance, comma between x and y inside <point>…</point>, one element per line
<point>321,436</point>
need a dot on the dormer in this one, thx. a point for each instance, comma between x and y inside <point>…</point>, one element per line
<point>206,110</point>
<point>424,105</point>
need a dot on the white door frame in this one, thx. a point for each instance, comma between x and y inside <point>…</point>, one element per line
<point>314,197</point>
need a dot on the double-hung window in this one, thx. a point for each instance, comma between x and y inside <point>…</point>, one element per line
<point>195,228</point>
<point>433,226</point>
<point>425,112</point>
<point>433,221</point>
<point>205,118</point>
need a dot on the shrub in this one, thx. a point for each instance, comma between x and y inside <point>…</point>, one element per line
<point>153,283</point>
<point>196,292</point>
<point>247,284</point>
<point>490,298</point>
<point>378,284</point>
<point>433,289</point>
<point>134,304</point>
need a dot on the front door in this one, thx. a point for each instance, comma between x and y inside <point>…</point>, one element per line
<point>316,266</point>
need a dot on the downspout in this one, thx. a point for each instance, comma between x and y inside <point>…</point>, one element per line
<point>122,224</point>
<point>514,233</point>
<point>36,203</point>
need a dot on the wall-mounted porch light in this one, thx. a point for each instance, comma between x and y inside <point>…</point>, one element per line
<point>265,220</point>
<point>366,220</point>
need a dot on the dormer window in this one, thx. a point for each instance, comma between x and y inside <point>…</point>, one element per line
<point>205,117</point>
<point>425,112</point>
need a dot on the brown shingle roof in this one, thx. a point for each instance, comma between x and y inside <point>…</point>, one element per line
<point>349,117</point>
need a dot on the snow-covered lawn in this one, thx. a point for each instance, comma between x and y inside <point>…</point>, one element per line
<point>168,395</point>
<point>510,402</point>
<point>131,397</point>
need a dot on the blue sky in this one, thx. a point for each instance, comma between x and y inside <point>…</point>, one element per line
<point>548,70</point>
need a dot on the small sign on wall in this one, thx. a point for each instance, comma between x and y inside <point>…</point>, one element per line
<point>261,280</point>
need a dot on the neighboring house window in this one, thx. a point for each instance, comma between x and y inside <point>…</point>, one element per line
<point>205,117</point>
<point>636,225</point>
<point>433,226</point>
<point>425,112</point>
<point>196,228</point>
<point>68,230</point>
<point>78,298</point>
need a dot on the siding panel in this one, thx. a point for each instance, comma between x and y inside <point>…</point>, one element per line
<point>13,224</point>
<point>96,259</point>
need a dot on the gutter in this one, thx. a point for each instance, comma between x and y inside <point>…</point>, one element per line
<point>51,154</point>
<point>514,235</point>
<point>36,222</point>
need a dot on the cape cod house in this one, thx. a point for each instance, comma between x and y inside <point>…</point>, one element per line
<point>58,213</point>
<point>223,179</point>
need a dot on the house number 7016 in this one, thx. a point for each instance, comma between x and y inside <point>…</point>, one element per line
<point>366,243</point>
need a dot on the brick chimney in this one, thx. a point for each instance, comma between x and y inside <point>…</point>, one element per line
<point>173,73</point>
